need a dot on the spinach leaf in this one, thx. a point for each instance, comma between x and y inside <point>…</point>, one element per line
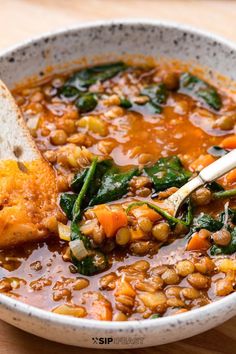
<point>94,262</point>
<point>167,172</point>
<point>107,184</point>
<point>211,97</point>
<point>153,108</point>
<point>82,79</point>
<point>67,201</point>
<point>156,92</point>
<point>86,102</point>
<point>76,211</point>
<point>78,180</point>
<point>158,96</point>
<point>114,185</point>
<point>102,168</point>
<point>231,216</point>
<point>205,221</point>
<point>215,187</point>
<point>217,151</point>
<point>190,84</point>
<point>69,92</point>
<point>229,249</point>
<point>125,103</point>
<point>76,234</point>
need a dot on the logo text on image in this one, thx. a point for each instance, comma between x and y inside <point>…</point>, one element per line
<point>119,340</point>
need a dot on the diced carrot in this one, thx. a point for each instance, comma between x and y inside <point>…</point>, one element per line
<point>201,162</point>
<point>136,234</point>
<point>231,177</point>
<point>111,220</point>
<point>198,243</point>
<point>145,211</point>
<point>229,142</point>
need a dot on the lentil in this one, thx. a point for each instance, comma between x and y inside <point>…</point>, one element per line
<point>198,281</point>
<point>161,232</point>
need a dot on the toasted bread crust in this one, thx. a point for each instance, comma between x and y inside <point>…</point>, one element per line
<point>16,142</point>
<point>28,188</point>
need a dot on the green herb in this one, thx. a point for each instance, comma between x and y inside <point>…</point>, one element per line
<point>86,102</point>
<point>215,187</point>
<point>95,261</point>
<point>230,193</point>
<point>69,92</point>
<point>101,168</point>
<point>188,214</point>
<point>207,222</point>
<point>107,183</point>
<point>76,234</point>
<point>200,89</point>
<point>229,249</point>
<point>153,108</point>
<point>231,217</point>
<point>158,96</point>
<point>114,185</point>
<point>171,219</point>
<point>217,151</point>
<point>67,201</point>
<point>125,103</point>
<point>156,92</point>
<point>104,182</point>
<point>211,97</point>
<point>76,212</point>
<point>167,172</point>
<point>78,180</point>
<point>228,220</point>
<point>82,79</point>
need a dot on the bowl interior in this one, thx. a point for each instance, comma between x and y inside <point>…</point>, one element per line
<point>139,42</point>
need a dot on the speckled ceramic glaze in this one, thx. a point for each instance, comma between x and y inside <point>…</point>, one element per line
<point>109,41</point>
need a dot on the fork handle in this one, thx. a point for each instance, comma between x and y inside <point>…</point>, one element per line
<point>209,174</point>
<point>218,168</point>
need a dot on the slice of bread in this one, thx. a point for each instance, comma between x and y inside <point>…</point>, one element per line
<point>28,188</point>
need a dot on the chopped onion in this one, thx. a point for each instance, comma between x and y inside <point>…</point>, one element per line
<point>78,249</point>
<point>64,232</point>
<point>32,122</point>
<point>226,207</point>
<point>89,227</point>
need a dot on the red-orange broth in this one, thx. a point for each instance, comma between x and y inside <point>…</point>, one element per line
<point>133,116</point>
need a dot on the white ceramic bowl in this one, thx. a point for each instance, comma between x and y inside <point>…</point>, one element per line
<point>109,41</point>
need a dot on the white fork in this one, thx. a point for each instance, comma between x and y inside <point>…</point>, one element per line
<point>209,174</point>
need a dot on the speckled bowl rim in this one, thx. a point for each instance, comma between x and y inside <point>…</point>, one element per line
<point>22,308</point>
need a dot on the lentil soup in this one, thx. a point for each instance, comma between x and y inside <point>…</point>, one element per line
<point>122,139</point>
